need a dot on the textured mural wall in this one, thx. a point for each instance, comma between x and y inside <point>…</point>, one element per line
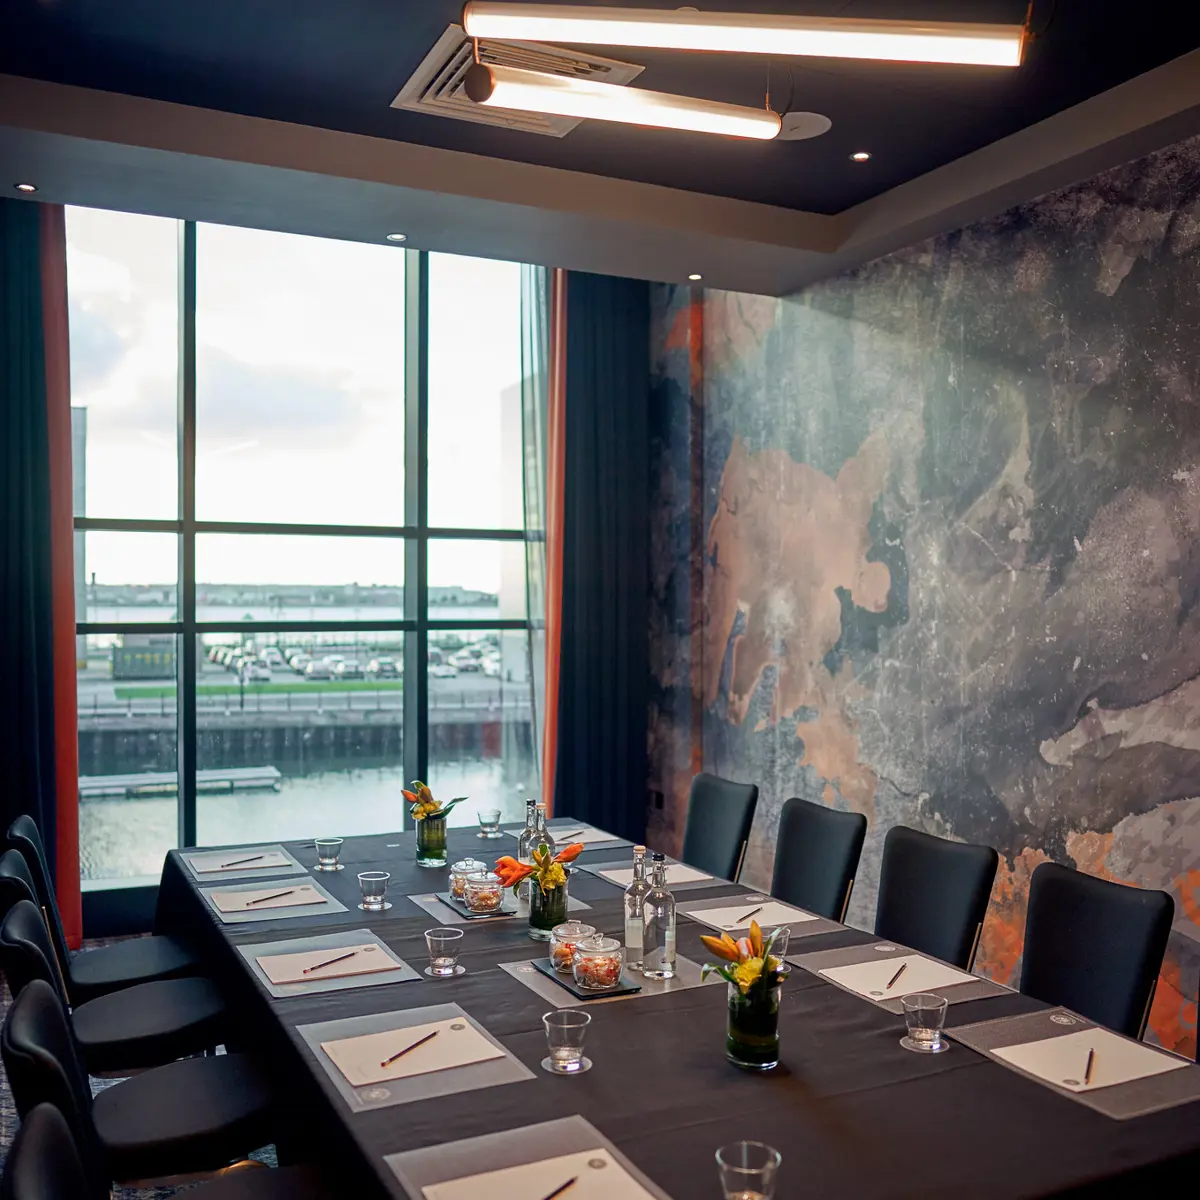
<point>927,546</point>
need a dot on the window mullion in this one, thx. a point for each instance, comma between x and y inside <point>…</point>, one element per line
<point>186,659</point>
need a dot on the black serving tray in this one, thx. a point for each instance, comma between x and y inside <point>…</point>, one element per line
<point>508,908</point>
<point>627,987</point>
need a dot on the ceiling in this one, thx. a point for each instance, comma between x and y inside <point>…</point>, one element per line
<point>337,66</point>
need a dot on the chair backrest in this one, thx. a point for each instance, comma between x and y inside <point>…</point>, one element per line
<point>16,882</point>
<point>1094,946</point>
<point>816,855</point>
<point>25,951</point>
<point>933,894</point>
<point>43,1163</point>
<point>43,1066</point>
<point>719,817</point>
<point>23,835</point>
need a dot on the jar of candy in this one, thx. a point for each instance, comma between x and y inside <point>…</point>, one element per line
<point>598,962</point>
<point>459,873</point>
<point>563,939</point>
<point>483,892</point>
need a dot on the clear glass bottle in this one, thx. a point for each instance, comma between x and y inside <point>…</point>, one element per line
<point>635,897</point>
<point>543,834</point>
<point>526,843</point>
<point>658,913</point>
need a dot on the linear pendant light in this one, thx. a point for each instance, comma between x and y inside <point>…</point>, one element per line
<point>822,37</point>
<point>533,91</point>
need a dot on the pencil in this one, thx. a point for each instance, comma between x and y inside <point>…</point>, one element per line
<point>237,862</point>
<point>1091,1063</point>
<point>752,913</point>
<point>892,981</point>
<point>263,899</point>
<point>329,962</point>
<point>558,1191</point>
<point>387,1062</point>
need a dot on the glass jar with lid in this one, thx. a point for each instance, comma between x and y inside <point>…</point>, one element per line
<point>563,940</point>
<point>598,963</point>
<point>459,872</point>
<point>483,892</point>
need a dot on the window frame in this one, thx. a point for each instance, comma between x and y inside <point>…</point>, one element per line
<point>415,533</point>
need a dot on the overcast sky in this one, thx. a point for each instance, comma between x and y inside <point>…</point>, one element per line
<point>300,375</point>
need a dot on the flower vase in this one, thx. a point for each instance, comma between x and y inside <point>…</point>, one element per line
<point>431,842</point>
<point>547,908</point>
<point>752,1037</point>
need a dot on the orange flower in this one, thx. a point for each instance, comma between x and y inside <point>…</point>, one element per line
<point>569,853</point>
<point>411,797</point>
<point>512,872</point>
<point>723,947</point>
<point>756,940</point>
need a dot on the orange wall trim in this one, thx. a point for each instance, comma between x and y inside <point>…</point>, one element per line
<point>62,565</point>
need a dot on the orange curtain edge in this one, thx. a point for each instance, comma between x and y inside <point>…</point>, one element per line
<point>53,247</point>
<point>555,468</point>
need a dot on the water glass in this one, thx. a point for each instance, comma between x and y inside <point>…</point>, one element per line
<point>565,1031</point>
<point>444,945</point>
<point>328,850</point>
<point>748,1170</point>
<point>925,1015</point>
<point>374,889</point>
<point>489,823</point>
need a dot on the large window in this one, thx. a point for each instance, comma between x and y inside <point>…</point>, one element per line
<point>300,554</point>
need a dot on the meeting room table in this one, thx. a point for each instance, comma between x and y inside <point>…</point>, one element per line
<point>853,1113</point>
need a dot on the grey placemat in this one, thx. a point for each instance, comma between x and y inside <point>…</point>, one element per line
<point>622,864</point>
<point>610,843</point>
<point>688,976</point>
<point>444,914</point>
<point>694,910</point>
<point>270,914</point>
<point>325,941</point>
<point>417,1087</point>
<point>419,1169</point>
<point>1121,1101</point>
<point>249,871</point>
<point>957,993</point>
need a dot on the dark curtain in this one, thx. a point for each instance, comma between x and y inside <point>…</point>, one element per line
<point>26,617</point>
<point>604,658</point>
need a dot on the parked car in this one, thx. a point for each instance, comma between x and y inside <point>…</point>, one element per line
<point>333,660</point>
<point>298,662</point>
<point>272,657</point>
<point>290,652</point>
<point>491,668</point>
<point>318,669</point>
<point>443,671</point>
<point>348,668</point>
<point>383,668</point>
<point>254,670</point>
<point>464,660</point>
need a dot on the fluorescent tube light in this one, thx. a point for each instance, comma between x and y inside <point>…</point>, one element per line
<point>533,91</point>
<point>821,37</point>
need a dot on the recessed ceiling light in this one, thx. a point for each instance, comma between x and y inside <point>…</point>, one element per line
<point>860,156</point>
<point>397,237</point>
<point>25,187</point>
<point>695,278</point>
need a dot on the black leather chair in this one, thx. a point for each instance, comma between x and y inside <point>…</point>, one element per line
<point>933,894</point>
<point>43,1164</point>
<point>189,1117</point>
<point>94,973</point>
<point>143,1026</point>
<point>719,817</point>
<point>816,855</point>
<point>1095,947</point>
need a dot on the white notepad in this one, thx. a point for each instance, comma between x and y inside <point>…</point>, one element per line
<point>770,915</point>
<point>1063,1060</point>
<point>281,897</point>
<point>870,979</point>
<point>597,1174</point>
<point>581,833</point>
<point>458,1044</point>
<point>368,959</point>
<point>676,873</point>
<point>237,860</point>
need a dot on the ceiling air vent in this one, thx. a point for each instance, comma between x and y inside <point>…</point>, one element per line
<point>436,86</point>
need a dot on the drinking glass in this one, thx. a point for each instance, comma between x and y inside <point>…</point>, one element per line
<point>748,1170</point>
<point>374,889</point>
<point>444,947</point>
<point>328,850</point>
<point>925,1014</point>
<point>489,823</point>
<point>565,1031</point>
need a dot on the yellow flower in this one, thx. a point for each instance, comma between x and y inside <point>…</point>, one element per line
<point>747,972</point>
<point>552,876</point>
